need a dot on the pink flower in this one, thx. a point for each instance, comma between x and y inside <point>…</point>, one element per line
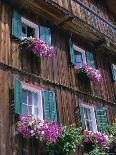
<point>92,73</point>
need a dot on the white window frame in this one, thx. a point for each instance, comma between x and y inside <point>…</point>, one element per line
<point>39,92</point>
<point>32,25</point>
<point>80,50</point>
<point>94,123</point>
<point>114,66</point>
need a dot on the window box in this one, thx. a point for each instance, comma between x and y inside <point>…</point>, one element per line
<point>37,46</point>
<point>90,72</point>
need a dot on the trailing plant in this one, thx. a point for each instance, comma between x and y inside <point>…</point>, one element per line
<point>92,73</point>
<point>57,140</point>
<point>113,130</point>
<point>65,139</point>
<point>38,47</point>
<point>101,142</point>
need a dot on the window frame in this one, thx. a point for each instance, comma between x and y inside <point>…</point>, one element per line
<point>40,102</point>
<point>83,52</point>
<point>92,109</point>
<point>114,68</point>
<point>32,25</point>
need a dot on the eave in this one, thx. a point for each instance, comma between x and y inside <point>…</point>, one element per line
<point>64,19</point>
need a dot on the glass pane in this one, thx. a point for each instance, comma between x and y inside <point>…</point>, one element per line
<point>88,118</point>
<point>24,96</point>
<point>30,32</point>
<point>29,98</point>
<point>24,110</point>
<point>78,58</point>
<point>36,112</point>
<point>35,99</point>
<point>89,125</point>
<point>30,110</point>
<point>24,30</point>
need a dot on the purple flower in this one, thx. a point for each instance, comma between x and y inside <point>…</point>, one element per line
<point>41,48</point>
<point>92,73</point>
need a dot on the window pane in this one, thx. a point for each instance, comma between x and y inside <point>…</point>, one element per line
<point>35,99</point>
<point>29,98</point>
<point>78,58</point>
<point>88,119</point>
<point>30,32</point>
<point>24,110</point>
<point>30,110</point>
<point>36,112</point>
<point>89,125</point>
<point>48,36</point>
<point>24,96</point>
<point>24,30</point>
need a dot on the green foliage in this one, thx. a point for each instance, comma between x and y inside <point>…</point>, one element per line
<point>72,137</point>
<point>113,130</point>
<point>67,143</point>
<point>97,151</point>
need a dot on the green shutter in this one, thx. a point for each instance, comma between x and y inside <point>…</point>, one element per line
<point>113,73</point>
<point>72,54</point>
<point>101,118</point>
<point>18,96</point>
<point>50,105</point>
<point>82,117</point>
<point>16,24</point>
<point>45,34</point>
<point>90,59</point>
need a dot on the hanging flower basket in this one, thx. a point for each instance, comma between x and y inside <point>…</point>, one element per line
<point>38,47</point>
<point>90,73</point>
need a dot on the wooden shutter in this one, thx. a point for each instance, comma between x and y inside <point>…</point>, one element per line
<point>50,105</point>
<point>101,118</point>
<point>16,24</point>
<point>45,34</point>
<point>113,69</point>
<point>72,54</point>
<point>18,96</point>
<point>90,59</point>
<point>82,117</point>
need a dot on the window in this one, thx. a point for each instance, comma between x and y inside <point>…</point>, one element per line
<point>29,29</point>
<point>113,68</point>
<point>32,101</point>
<point>80,57</point>
<point>88,119</point>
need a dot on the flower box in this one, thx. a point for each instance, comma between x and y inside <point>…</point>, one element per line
<point>38,47</point>
<point>86,72</point>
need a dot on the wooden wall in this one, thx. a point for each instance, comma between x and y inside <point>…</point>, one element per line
<point>57,70</point>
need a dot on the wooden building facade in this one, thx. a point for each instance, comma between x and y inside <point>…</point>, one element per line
<point>65,24</point>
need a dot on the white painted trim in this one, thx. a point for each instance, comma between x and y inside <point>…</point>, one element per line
<point>94,123</point>
<point>78,49</point>
<point>39,92</point>
<point>32,25</point>
<point>114,66</point>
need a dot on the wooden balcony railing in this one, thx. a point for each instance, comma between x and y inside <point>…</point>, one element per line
<point>89,15</point>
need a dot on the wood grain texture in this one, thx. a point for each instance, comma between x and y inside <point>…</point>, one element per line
<point>57,69</point>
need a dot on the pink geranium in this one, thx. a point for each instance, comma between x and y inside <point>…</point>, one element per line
<point>47,130</point>
<point>92,73</point>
